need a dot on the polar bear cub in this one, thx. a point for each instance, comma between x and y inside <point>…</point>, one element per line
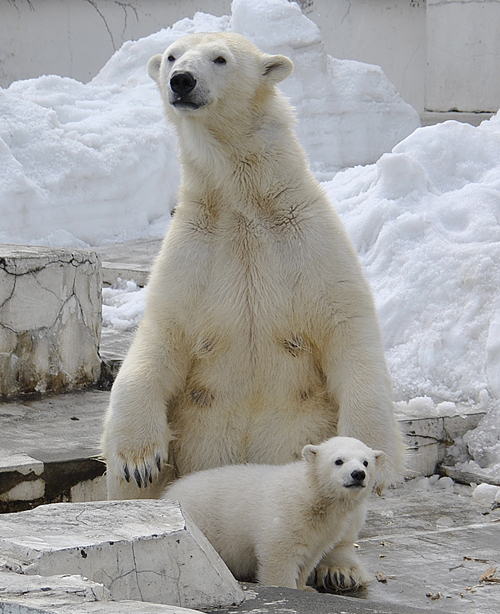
<point>273,523</point>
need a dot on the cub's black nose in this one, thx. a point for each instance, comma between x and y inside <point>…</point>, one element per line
<point>358,475</point>
<point>182,83</point>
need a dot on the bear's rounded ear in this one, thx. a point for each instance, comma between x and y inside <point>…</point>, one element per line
<point>276,67</point>
<point>154,67</point>
<point>309,453</point>
<point>380,457</point>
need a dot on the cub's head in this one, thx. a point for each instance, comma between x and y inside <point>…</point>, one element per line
<point>344,466</point>
<point>203,71</point>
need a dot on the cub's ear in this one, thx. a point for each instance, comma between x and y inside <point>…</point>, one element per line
<point>309,453</point>
<point>154,67</point>
<point>380,458</point>
<point>275,68</point>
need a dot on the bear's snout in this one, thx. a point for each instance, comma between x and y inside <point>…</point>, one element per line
<point>182,83</point>
<point>357,478</point>
<point>358,475</point>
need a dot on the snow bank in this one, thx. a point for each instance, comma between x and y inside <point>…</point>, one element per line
<point>426,222</point>
<point>123,305</point>
<point>348,112</point>
<point>88,164</point>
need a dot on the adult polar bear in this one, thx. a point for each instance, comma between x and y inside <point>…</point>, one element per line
<point>260,334</point>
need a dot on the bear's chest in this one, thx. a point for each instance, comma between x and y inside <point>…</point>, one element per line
<point>254,266</point>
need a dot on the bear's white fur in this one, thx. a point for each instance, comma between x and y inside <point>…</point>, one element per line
<point>260,334</point>
<point>273,523</point>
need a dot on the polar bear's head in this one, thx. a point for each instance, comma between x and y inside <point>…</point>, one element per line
<point>343,466</point>
<point>200,71</point>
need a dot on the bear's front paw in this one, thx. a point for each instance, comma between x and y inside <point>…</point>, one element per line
<point>340,579</point>
<point>143,471</point>
<point>136,464</point>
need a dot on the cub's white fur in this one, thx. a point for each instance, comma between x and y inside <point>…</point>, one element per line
<point>260,334</point>
<point>273,523</point>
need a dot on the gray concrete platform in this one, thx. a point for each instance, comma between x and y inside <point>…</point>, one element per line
<point>428,547</point>
<point>429,118</point>
<point>130,260</point>
<point>429,550</point>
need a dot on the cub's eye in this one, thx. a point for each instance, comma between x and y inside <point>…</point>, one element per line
<point>365,463</point>
<point>171,58</point>
<point>339,462</point>
<point>219,60</point>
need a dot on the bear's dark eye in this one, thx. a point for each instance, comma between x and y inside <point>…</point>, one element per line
<point>339,462</point>
<point>365,463</point>
<point>171,58</point>
<point>220,60</point>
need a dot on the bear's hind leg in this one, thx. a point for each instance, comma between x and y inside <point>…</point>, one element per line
<point>278,570</point>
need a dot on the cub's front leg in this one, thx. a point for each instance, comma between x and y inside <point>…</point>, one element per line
<point>136,431</point>
<point>341,569</point>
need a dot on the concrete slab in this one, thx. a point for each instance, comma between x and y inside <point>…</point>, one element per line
<point>49,450</point>
<point>275,600</point>
<point>21,594</point>
<point>51,591</point>
<point>139,550</point>
<point>111,607</point>
<point>429,118</point>
<point>433,546</point>
<point>428,549</point>
<point>50,319</point>
<point>53,428</point>
<point>125,607</point>
<point>131,260</point>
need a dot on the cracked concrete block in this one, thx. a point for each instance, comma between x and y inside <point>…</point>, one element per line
<point>427,439</point>
<point>50,319</point>
<point>426,444</point>
<point>55,590</point>
<point>68,594</point>
<point>140,550</point>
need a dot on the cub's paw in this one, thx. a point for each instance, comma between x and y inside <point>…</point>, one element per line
<point>340,579</point>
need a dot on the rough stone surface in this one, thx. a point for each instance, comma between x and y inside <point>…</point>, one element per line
<point>50,319</point>
<point>28,606</point>
<point>427,439</point>
<point>55,590</point>
<point>139,550</point>
<point>49,449</point>
<point>131,260</point>
<point>20,594</point>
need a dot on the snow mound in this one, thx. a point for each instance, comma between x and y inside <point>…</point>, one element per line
<point>348,112</point>
<point>425,220</point>
<point>85,164</point>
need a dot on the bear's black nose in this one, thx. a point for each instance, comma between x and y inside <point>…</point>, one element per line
<point>182,83</point>
<point>358,475</point>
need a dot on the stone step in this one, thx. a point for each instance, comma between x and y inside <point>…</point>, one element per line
<point>49,448</point>
<point>72,594</point>
<point>137,550</point>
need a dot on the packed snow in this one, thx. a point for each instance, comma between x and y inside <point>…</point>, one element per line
<point>87,164</point>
